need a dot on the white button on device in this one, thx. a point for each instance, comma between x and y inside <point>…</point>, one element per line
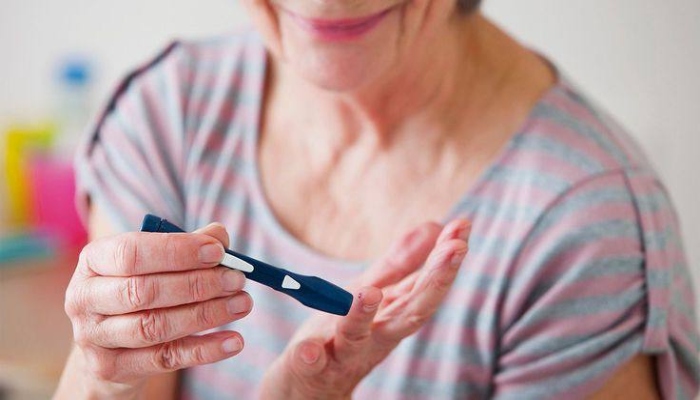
<point>236,263</point>
<point>289,283</point>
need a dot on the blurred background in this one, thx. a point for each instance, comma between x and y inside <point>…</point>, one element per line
<point>640,59</point>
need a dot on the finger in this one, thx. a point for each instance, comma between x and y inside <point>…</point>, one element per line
<point>151,327</point>
<point>456,229</point>
<point>412,309</point>
<point>141,253</point>
<point>354,331</point>
<point>393,292</point>
<point>454,242</point>
<point>111,295</point>
<point>217,231</point>
<point>308,359</point>
<point>404,256</point>
<point>130,364</point>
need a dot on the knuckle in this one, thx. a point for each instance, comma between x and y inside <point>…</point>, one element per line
<point>168,357</point>
<point>152,327</point>
<point>415,322</point>
<point>76,302</point>
<point>136,293</point>
<point>81,335</point>
<point>197,356</point>
<point>83,256</point>
<point>204,315</point>
<point>177,251</point>
<point>440,282</point>
<point>73,303</point>
<point>197,286</point>
<point>126,254</point>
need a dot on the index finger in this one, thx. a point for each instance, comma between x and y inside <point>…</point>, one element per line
<point>354,331</point>
<point>141,253</point>
<point>405,256</point>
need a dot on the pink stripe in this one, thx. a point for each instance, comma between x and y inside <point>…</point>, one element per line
<point>562,101</point>
<point>536,197</point>
<point>558,266</point>
<point>548,129</point>
<point>612,131</point>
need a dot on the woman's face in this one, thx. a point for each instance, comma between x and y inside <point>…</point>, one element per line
<point>342,44</point>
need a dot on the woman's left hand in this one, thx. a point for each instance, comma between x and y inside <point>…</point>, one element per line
<point>330,355</point>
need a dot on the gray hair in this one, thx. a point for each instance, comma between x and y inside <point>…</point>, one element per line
<point>467,6</point>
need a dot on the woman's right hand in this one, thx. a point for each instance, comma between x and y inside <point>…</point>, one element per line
<point>137,300</point>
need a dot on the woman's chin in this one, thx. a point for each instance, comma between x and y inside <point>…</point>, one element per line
<point>336,77</point>
<point>340,65</point>
<point>341,71</point>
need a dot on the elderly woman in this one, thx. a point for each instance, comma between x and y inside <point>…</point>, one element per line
<point>323,143</point>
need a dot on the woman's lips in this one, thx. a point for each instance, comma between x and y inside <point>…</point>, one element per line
<point>339,29</point>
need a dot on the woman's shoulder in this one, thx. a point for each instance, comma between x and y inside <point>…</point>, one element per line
<point>567,132</point>
<point>566,143</point>
<point>181,111</point>
<point>192,77</point>
<point>581,248</point>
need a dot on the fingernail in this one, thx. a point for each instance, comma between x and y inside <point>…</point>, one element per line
<point>211,253</point>
<point>232,280</point>
<point>232,345</point>
<point>309,353</point>
<point>238,304</point>
<point>368,306</point>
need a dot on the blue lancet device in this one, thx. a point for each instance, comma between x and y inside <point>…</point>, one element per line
<point>311,291</point>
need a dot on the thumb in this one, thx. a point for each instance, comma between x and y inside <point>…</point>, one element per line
<point>308,359</point>
<point>215,230</point>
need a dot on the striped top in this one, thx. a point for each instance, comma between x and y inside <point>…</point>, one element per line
<point>575,261</point>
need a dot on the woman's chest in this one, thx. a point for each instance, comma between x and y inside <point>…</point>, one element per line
<point>358,218</point>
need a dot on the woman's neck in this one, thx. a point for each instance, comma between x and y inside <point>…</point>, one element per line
<point>437,123</point>
<point>476,67</point>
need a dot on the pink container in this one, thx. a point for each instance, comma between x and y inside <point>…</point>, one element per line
<point>52,193</point>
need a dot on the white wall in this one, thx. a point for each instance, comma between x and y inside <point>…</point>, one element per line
<point>118,34</point>
<point>638,58</point>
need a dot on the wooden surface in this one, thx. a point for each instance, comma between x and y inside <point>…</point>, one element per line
<point>35,334</point>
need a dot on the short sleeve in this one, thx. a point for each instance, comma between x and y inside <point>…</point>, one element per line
<point>578,304</point>
<point>132,161</point>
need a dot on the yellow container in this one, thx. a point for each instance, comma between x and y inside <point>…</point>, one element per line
<point>21,142</point>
